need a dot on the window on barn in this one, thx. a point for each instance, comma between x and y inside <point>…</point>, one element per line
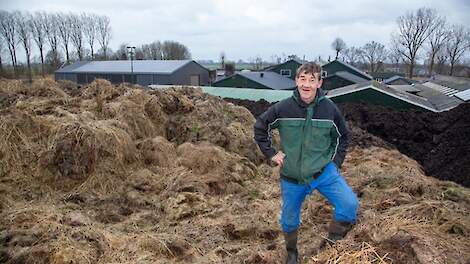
<point>286,72</point>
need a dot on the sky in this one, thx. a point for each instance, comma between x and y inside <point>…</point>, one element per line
<point>245,29</point>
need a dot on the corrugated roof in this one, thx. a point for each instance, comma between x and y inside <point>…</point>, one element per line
<point>464,95</point>
<point>394,78</point>
<point>406,88</point>
<point>442,89</point>
<point>271,80</point>
<point>440,101</point>
<point>457,83</point>
<point>124,66</point>
<point>349,76</point>
<point>72,67</point>
<point>384,75</point>
<point>443,102</point>
<point>276,65</point>
<point>437,104</point>
<point>352,68</point>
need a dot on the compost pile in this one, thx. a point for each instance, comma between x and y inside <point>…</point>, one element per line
<point>438,141</point>
<point>118,174</point>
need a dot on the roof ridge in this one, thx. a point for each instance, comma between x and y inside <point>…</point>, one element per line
<point>351,67</point>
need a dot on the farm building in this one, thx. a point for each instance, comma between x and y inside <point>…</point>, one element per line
<point>382,76</point>
<point>341,79</point>
<point>286,69</point>
<point>143,72</point>
<point>400,97</point>
<point>398,80</point>
<point>340,74</point>
<point>257,80</point>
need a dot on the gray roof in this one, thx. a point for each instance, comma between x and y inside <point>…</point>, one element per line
<point>349,76</point>
<point>352,68</point>
<point>270,79</point>
<point>439,88</point>
<point>457,83</point>
<point>276,65</point>
<point>435,103</point>
<point>396,77</point>
<point>439,100</point>
<point>406,88</point>
<point>384,75</point>
<point>464,95</point>
<point>124,66</point>
<point>444,102</point>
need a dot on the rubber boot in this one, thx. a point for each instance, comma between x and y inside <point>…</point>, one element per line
<point>336,231</point>
<point>291,247</point>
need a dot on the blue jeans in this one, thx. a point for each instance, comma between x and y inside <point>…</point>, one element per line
<point>331,185</point>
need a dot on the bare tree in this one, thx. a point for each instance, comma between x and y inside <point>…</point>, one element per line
<point>173,50</point>
<point>353,55</point>
<point>338,45</point>
<point>151,51</point>
<point>292,57</point>
<point>413,30</point>
<point>52,34</point>
<point>222,60</point>
<point>8,29</point>
<point>39,34</point>
<point>104,34</point>
<point>257,62</point>
<point>229,68</point>
<point>441,57</point>
<point>77,24</point>
<point>276,59</point>
<point>436,41</point>
<point>24,25</point>
<point>374,53</point>
<point>395,57</point>
<point>65,31</point>
<point>146,53</point>
<point>139,53</point>
<point>156,50</point>
<point>459,42</point>
<point>2,47</point>
<point>90,31</point>
<point>121,52</point>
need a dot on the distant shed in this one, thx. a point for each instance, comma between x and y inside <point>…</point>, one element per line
<point>143,72</point>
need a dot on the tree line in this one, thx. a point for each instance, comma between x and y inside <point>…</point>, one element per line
<point>157,50</point>
<point>67,37</point>
<point>77,35</point>
<point>421,34</point>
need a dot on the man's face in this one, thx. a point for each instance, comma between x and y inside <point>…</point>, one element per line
<point>307,84</point>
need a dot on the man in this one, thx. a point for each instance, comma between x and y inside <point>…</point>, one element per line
<point>314,139</point>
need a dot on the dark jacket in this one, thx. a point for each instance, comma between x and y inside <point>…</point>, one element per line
<point>311,135</point>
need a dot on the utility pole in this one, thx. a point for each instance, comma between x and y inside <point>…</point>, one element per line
<point>131,51</point>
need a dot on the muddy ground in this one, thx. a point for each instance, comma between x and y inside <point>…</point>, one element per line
<point>115,174</point>
<point>438,141</point>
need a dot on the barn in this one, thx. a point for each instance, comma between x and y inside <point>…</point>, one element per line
<point>143,72</point>
<point>257,80</point>
<point>340,74</point>
<point>287,69</point>
<point>400,97</point>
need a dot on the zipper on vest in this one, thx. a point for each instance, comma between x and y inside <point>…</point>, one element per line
<point>305,133</point>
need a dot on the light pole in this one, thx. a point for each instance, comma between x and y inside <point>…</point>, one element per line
<point>131,51</point>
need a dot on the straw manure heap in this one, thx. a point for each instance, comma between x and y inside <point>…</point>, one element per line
<point>117,174</point>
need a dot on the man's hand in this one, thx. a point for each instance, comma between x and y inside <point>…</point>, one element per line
<point>279,158</point>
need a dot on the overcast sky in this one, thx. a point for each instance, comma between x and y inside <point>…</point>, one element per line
<point>244,29</point>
